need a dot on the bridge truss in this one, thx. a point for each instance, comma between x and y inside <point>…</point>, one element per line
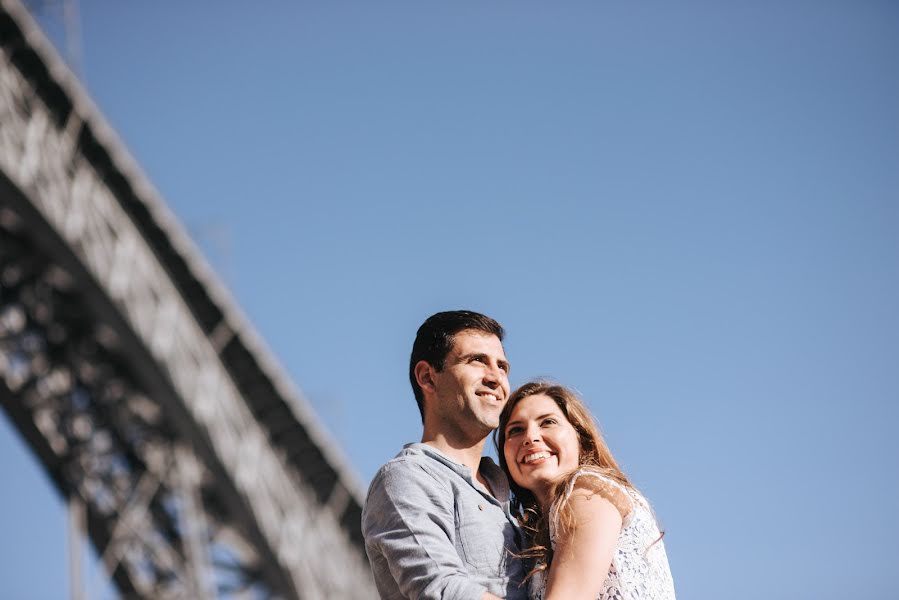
<point>185,455</point>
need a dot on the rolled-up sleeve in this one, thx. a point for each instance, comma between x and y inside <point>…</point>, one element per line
<point>409,529</point>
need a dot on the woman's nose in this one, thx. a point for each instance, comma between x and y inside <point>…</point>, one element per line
<point>531,435</point>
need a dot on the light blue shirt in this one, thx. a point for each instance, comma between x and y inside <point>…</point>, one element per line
<point>433,532</point>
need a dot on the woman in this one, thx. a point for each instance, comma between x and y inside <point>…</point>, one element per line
<point>595,536</point>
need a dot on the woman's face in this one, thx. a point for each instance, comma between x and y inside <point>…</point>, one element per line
<point>540,445</point>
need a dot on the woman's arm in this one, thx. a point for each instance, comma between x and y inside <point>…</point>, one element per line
<point>583,552</point>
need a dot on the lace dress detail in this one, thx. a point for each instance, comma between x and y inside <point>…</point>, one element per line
<point>639,569</point>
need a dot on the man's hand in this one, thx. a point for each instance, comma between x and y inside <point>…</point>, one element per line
<point>489,596</point>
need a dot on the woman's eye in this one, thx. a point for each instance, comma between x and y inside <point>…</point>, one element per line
<point>512,431</point>
<point>550,422</point>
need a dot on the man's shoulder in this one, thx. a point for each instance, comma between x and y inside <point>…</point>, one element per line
<point>412,463</point>
<point>409,481</point>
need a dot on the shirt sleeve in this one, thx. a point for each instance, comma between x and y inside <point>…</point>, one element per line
<point>409,528</point>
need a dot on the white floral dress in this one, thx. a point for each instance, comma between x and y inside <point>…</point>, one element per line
<point>639,569</point>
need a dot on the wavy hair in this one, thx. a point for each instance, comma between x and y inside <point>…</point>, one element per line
<point>593,452</point>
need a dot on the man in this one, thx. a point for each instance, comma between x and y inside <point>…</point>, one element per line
<point>436,521</point>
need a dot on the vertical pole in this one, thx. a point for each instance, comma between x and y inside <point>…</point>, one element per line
<point>76,545</point>
<point>193,519</point>
<point>72,28</point>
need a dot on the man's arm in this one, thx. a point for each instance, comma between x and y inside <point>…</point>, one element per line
<point>409,527</point>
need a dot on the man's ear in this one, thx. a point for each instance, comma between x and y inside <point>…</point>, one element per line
<point>424,375</point>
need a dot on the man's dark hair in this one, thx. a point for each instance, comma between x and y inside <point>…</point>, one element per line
<point>435,338</point>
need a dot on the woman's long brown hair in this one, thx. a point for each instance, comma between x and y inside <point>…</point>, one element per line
<point>593,452</point>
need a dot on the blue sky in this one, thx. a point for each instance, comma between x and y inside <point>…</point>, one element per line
<point>688,211</point>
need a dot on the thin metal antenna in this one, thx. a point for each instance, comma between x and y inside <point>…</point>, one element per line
<point>76,546</point>
<point>72,29</point>
<point>67,12</point>
<point>215,237</point>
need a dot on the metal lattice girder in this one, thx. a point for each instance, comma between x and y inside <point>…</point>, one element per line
<point>107,445</point>
<point>116,325</point>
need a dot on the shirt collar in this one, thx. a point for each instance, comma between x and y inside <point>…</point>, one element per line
<point>488,469</point>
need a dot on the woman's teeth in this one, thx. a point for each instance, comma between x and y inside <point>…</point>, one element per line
<point>536,456</point>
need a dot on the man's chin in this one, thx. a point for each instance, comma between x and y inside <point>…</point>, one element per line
<point>488,422</point>
<point>491,424</point>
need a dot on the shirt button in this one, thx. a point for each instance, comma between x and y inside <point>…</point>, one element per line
<point>480,507</point>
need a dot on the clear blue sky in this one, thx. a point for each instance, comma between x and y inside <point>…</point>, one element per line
<point>688,211</point>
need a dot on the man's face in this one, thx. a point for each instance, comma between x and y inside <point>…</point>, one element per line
<point>473,386</point>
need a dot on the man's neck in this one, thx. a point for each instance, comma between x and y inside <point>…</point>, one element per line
<point>464,454</point>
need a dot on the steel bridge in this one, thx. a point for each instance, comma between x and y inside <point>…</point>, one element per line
<point>183,451</point>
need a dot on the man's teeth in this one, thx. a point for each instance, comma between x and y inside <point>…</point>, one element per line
<point>536,456</point>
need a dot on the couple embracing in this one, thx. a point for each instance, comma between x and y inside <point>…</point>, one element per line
<point>558,519</point>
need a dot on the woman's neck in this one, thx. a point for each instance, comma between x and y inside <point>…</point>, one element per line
<point>543,497</point>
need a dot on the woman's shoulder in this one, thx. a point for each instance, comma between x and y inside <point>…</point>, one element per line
<point>589,481</point>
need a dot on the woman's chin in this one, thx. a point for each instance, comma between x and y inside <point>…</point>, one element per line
<point>535,486</point>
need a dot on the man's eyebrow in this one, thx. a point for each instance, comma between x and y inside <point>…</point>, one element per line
<point>471,355</point>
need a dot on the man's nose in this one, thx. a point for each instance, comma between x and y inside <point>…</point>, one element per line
<point>493,376</point>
